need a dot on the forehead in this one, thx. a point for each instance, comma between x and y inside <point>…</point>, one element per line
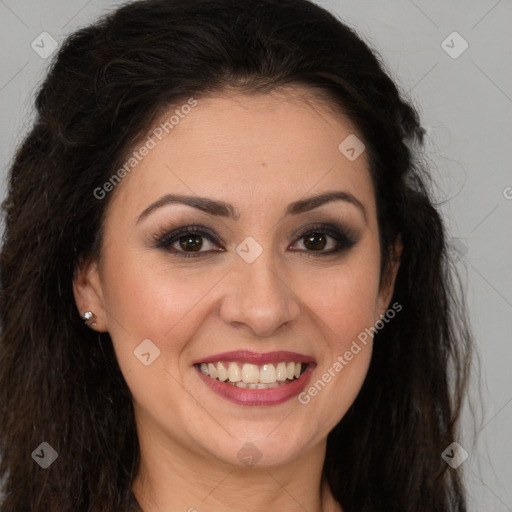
<point>270,148</point>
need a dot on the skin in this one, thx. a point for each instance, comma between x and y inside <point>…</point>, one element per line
<point>258,152</point>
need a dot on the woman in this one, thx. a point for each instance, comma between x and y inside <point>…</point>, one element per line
<point>224,283</point>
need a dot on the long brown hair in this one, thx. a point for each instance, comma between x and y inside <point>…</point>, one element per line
<point>60,382</point>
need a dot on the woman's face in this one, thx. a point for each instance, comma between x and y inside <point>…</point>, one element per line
<point>280,268</point>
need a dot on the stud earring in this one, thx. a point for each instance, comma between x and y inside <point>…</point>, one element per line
<point>90,318</point>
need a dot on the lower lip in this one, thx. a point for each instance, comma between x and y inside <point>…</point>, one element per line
<point>270,396</point>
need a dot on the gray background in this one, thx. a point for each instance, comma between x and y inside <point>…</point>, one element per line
<point>466,105</point>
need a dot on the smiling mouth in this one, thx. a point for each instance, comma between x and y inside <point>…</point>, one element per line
<point>253,376</point>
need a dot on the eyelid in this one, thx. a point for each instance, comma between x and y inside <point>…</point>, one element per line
<point>166,237</point>
<point>344,235</point>
<point>328,227</point>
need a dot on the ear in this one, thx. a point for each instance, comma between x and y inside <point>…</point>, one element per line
<point>387,286</point>
<point>88,293</point>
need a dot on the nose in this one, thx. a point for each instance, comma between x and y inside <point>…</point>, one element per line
<point>259,298</point>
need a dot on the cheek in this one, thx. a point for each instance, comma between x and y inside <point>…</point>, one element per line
<point>344,298</point>
<point>344,303</point>
<point>145,301</point>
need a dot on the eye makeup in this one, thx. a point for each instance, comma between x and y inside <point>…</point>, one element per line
<point>341,239</point>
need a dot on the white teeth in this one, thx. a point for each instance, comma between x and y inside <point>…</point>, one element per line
<point>267,374</point>
<point>258,385</point>
<point>281,373</point>
<point>222,372</point>
<point>250,373</point>
<point>234,373</point>
<point>252,376</point>
<point>212,370</point>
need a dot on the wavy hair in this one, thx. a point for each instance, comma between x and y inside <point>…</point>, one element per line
<point>60,382</point>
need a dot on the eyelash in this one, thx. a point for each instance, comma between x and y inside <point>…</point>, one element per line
<point>344,238</point>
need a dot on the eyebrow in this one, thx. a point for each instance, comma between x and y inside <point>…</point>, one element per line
<point>223,209</point>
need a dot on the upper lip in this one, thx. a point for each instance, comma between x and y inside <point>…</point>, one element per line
<point>247,356</point>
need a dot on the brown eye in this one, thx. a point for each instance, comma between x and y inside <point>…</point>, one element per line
<point>315,241</point>
<point>188,242</point>
<point>326,240</point>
